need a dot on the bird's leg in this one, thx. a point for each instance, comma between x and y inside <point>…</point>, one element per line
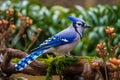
<point>51,53</point>
<point>66,55</point>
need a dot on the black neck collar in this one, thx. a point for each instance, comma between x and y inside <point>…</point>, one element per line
<point>77,30</point>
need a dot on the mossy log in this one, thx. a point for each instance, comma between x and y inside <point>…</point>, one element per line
<point>76,71</point>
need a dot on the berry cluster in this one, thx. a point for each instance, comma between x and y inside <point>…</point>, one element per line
<point>101,49</point>
<point>110,31</point>
<point>107,52</point>
<point>114,63</point>
<point>13,26</point>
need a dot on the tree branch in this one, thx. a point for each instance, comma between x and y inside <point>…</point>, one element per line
<point>80,69</point>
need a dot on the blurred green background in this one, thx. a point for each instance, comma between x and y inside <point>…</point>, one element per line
<point>51,17</point>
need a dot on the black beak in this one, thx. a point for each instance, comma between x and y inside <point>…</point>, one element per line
<point>88,26</point>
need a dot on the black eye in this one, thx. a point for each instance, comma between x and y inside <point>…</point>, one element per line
<point>79,24</point>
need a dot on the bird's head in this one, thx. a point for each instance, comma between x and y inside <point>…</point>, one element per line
<point>78,24</point>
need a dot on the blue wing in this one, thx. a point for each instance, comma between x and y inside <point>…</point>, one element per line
<point>59,39</point>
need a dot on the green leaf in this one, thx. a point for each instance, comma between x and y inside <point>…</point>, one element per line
<point>82,11</point>
<point>52,30</point>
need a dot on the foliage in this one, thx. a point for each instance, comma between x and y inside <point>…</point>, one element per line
<point>100,17</point>
<point>53,19</point>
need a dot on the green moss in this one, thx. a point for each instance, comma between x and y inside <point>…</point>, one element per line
<point>15,60</point>
<point>58,64</point>
<point>89,59</point>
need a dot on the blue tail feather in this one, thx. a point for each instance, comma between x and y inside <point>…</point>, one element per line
<point>28,59</point>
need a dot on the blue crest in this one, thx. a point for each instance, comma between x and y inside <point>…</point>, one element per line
<point>73,19</point>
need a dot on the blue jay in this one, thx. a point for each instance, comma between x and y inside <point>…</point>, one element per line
<point>62,43</point>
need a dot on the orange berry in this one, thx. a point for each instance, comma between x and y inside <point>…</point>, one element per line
<point>0,22</point>
<point>95,65</point>
<point>98,45</point>
<point>97,50</point>
<point>118,61</point>
<point>30,21</point>
<point>110,59</point>
<point>20,15</point>
<point>12,26</point>
<point>4,21</point>
<point>113,34</point>
<point>11,11</point>
<point>101,45</point>
<point>107,31</point>
<point>27,21</point>
<point>113,60</point>
<point>111,30</point>
<point>104,44</point>
<point>7,12</point>
<point>105,48</point>
<point>39,29</point>
<point>27,18</point>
